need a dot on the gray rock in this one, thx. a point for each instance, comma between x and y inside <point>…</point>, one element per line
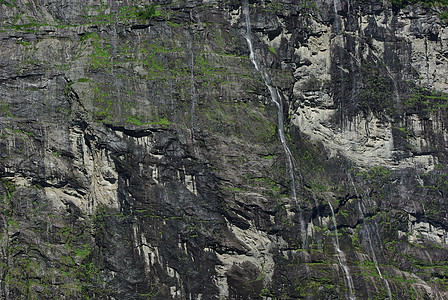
<point>140,158</point>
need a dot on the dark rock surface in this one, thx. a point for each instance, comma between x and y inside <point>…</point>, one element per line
<point>140,159</point>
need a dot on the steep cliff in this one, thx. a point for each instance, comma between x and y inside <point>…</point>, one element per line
<point>223,149</point>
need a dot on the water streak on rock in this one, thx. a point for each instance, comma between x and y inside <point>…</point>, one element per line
<point>276,98</point>
<point>369,238</point>
<point>341,257</point>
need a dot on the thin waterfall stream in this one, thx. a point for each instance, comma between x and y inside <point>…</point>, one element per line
<point>194,97</point>
<point>369,238</point>
<point>276,98</point>
<point>341,257</point>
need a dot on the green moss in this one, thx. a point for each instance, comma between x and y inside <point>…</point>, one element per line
<point>269,185</point>
<point>172,24</point>
<point>100,58</point>
<point>368,269</point>
<point>355,240</point>
<point>136,121</point>
<point>5,110</point>
<point>103,101</point>
<point>162,121</point>
<point>71,265</point>
<point>266,293</point>
<point>7,3</point>
<point>8,186</point>
<point>272,6</point>
<point>225,118</point>
<point>269,156</point>
<point>377,177</point>
<point>422,99</point>
<point>444,16</point>
<point>376,94</point>
<point>88,35</point>
<point>149,12</point>
<point>397,4</point>
<point>24,43</point>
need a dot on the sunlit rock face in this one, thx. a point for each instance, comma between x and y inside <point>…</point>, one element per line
<point>140,155</point>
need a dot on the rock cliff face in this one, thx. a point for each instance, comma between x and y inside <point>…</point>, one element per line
<point>140,155</point>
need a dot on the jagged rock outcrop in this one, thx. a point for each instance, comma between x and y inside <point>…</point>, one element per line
<point>140,158</point>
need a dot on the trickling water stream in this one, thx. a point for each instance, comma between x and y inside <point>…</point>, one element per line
<point>341,257</point>
<point>194,97</point>
<point>276,98</point>
<point>369,238</point>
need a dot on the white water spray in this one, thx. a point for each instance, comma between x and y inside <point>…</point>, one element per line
<point>341,257</point>
<point>276,98</point>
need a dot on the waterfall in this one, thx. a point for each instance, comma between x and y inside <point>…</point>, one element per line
<point>194,97</point>
<point>341,257</point>
<point>336,15</point>
<point>369,238</point>
<point>192,87</point>
<point>276,98</point>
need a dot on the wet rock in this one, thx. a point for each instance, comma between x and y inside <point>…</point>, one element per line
<point>140,156</point>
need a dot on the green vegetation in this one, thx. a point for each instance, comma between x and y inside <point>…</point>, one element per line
<point>5,110</point>
<point>63,264</point>
<point>375,172</point>
<point>24,43</point>
<point>438,178</point>
<point>149,12</point>
<point>100,58</point>
<point>376,95</point>
<point>266,293</point>
<point>103,101</point>
<point>7,3</point>
<point>270,187</point>
<point>8,187</point>
<point>422,99</point>
<point>225,118</point>
<point>136,121</point>
<point>320,285</point>
<point>403,3</point>
<point>444,16</point>
<point>273,6</point>
<point>377,177</point>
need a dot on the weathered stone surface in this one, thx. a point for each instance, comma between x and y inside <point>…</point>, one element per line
<point>139,155</point>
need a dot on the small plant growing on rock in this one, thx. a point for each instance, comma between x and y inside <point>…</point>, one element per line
<point>148,12</point>
<point>444,16</point>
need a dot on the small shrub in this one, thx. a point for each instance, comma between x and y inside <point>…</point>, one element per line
<point>148,12</point>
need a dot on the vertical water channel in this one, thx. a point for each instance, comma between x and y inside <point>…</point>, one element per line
<point>276,98</point>
<point>194,98</point>
<point>369,238</point>
<point>341,257</point>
